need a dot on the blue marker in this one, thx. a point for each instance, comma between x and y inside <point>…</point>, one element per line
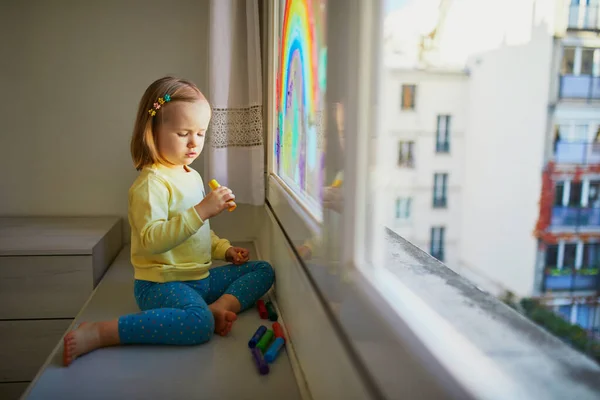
<point>257,335</point>
<point>273,350</point>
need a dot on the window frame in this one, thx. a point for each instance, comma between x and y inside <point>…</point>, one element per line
<point>578,61</point>
<point>440,190</point>
<point>437,243</point>
<point>443,147</point>
<point>403,208</point>
<point>413,96</point>
<point>398,317</point>
<point>409,146</point>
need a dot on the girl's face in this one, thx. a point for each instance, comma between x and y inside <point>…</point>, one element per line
<point>181,132</point>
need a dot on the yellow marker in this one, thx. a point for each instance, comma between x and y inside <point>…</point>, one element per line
<point>337,183</point>
<point>215,185</point>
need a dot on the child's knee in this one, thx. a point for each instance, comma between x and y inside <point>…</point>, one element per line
<point>203,326</point>
<point>267,269</point>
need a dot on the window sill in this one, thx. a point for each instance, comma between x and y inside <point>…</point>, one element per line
<point>523,354</point>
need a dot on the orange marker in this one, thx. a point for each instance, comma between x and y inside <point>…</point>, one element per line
<point>215,185</point>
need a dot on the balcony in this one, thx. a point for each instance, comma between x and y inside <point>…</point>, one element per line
<point>577,153</point>
<point>575,216</point>
<point>583,87</point>
<point>583,18</point>
<point>571,279</point>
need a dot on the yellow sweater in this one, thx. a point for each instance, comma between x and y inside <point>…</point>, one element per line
<point>169,241</point>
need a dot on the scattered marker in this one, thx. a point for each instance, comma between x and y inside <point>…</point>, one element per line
<point>271,311</point>
<point>257,335</point>
<point>273,351</point>
<point>278,331</point>
<point>262,310</point>
<point>261,364</point>
<point>263,343</point>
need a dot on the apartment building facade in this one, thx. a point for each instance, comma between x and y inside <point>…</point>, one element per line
<point>568,228</point>
<point>498,169</point>
<point>427,119</point>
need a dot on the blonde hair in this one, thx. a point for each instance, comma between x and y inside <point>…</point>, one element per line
<point>144,150</point>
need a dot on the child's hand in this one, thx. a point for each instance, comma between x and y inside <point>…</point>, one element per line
<point>237,255</point>
<point>332,198</point>
<point>215,202</point>
<point>304,252</point>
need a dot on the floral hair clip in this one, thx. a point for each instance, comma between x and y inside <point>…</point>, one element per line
<point>158,104</point>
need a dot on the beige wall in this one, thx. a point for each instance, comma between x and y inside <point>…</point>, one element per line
<point>72,74</point>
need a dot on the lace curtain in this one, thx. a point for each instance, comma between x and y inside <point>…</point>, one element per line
<point>235,149</point>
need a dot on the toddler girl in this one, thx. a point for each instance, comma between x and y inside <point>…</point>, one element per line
<point>183,300</point>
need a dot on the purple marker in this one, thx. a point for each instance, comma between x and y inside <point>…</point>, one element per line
<point>262,366</point>
<point>257,335</point>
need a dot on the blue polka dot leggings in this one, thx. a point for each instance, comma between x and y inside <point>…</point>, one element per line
<point>177,312</point>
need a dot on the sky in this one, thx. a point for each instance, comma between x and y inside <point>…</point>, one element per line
<point>471,26</point>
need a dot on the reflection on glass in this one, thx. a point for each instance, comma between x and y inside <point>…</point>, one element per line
<point>301,84</point>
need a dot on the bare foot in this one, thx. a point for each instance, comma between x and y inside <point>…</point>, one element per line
<point>80,341</point>
<point>89,336</point>
<point>223,319</point>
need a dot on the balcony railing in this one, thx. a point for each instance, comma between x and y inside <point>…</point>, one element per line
<point>571,279</point>
<point>585,87</point>
<point>577,153</point>
<point>583,18</point>
<point>575,216</point>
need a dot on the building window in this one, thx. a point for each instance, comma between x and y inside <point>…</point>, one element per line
<point>552,256</point>
<point>591,256</point>
<point>440,189</point>
<point>437,242</point>
<point>593,195</point>
<point>408,97</point>
<point>568,61</point>
<point>559,194</point>
<point>570,256</point>
<point>583,14</point>
<point>405,154</point>
<point>580,72</point>
<point>403,208</point>
<point>442,140</point>
<point>575,194</point>
<point>580,61</point>
<point>587,61</point>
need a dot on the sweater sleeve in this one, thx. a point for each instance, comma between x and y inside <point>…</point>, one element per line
<point>219,246</point>
<point>149,216</point>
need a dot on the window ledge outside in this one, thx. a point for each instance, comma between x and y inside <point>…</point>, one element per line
<point>533,359</point>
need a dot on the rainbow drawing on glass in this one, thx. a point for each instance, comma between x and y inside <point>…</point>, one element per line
<point>300,94</point>
<point>158,104</point>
